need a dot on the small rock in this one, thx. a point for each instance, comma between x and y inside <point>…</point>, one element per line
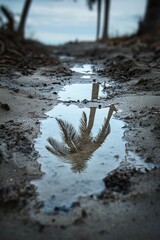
<point>5,106</point>
<point>85,101</point>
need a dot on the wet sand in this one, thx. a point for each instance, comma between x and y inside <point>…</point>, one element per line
<point>133,74</point>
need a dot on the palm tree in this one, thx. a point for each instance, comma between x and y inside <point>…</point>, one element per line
<point>77,147</point>
<point>11,22</point>
<point>9,16</point>
<point>90,4</point>
<point>151,22</point>
<point>24,14</point>
<point>106,19</point>
<point>106,16</point>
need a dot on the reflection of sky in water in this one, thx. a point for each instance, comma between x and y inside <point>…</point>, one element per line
<point>79,92</point>
<point>59,185</point>
<point>85,69</point>
<point>59,21</point>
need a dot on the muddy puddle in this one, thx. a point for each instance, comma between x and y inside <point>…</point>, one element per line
<point>78,147</point>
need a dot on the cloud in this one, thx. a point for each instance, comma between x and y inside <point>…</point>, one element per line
<point>59,38</point>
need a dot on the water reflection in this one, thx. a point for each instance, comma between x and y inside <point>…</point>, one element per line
<point>86,134</point>
<point>79,91</point>
<point>84,69</point>
<point>77,146</point>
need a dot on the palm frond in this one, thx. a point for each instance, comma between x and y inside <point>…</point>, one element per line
<point>103,133</point>
<point>85,135</point>
<point>79,166</point>
<point>56,147</point>
<point>68,133</point>
<point>53,151</point>
<point>83,124</point>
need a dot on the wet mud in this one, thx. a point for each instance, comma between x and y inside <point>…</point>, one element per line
<point>127,77</point>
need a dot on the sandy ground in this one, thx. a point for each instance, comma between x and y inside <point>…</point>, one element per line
<point>134,72</point>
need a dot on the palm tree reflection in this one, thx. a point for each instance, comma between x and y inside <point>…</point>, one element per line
<point>77,147</point>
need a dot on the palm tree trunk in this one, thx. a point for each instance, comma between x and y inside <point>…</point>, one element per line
<point>98,18</point>
<point>151,22</point>
<point>106,19</point>
<point>23,18</point>
<point>9,17</point>
<point>111,110</point>
<point>95,92</point>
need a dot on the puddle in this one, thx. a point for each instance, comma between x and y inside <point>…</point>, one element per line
<point>66,58</point>
<point>75,166</point>
<point>78,147</point>
<point>90,91</point>
<point>85,69</point>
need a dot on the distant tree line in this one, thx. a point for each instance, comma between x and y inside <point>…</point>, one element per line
<point>150,23</point>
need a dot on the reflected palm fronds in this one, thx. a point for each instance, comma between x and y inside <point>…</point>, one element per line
<point>77,147</point>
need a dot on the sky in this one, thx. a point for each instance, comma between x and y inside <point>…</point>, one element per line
<point>60,21</point>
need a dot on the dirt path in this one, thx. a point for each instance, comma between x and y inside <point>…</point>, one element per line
<point>133,75</point>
